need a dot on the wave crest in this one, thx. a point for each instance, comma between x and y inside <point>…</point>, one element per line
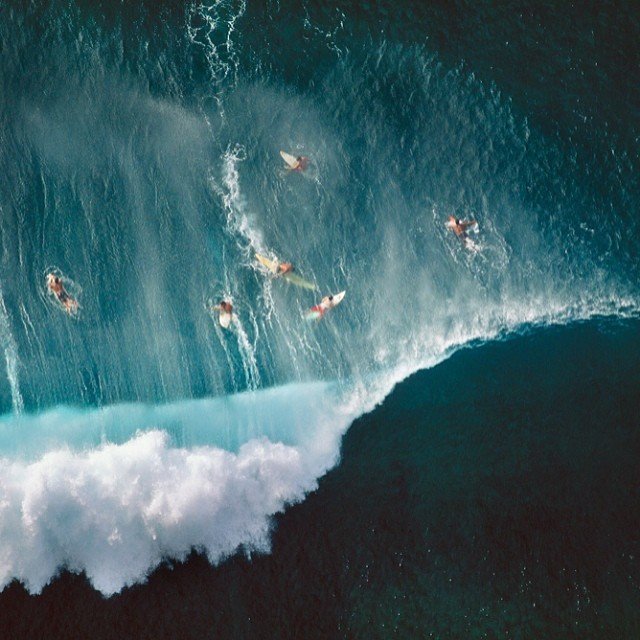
<point>117,511</point>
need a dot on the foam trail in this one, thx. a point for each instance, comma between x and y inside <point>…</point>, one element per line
<point>11,357</point>
<point>235,208</point>
<point>252,375</point>
<point>210,27</point>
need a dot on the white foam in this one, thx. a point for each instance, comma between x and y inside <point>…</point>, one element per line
<point>10,349</point>
<point>115,512</point>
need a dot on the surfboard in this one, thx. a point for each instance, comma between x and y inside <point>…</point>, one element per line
<point>337,299</point>
<point>293,278</point>
<point>225,319</point>
<point>291,161</point>
<point>316,315</point>
<point>272,265</point>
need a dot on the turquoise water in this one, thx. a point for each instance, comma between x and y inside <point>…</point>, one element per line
<point>139,148</point>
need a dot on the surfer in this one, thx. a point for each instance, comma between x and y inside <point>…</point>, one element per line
<point>55,285</point>
<point>225,313</point>
<point>460,227</point>
<point>285,267</point>
<point>295,163</point>
<point>325,304</point>
<point>302,162</point>
<point>223,307</point>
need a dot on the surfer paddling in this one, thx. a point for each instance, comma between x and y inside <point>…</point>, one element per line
<point>285,271</point>
<point>328,302</point>
<point>56,287</point>
<point>295,163</point>
<point>225,306</point>
<point>460,227</point>
<point>276,267</point>
<point>325,304</point>
<point>225,312</point>
<point>302,162</point>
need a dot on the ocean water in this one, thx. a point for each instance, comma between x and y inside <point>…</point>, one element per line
<point>510,514</point>
<point>139,149</point>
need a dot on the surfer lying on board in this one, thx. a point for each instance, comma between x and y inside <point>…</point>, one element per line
<point>225,310</point>
<point>55,285</point>
<point>295,163</point>
<point>223,307</point>
<point>325,304</point>
<point>460,227</point>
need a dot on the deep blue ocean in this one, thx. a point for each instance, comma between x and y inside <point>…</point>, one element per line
<point>450,453</point>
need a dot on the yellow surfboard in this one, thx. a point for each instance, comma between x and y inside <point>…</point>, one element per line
<point>272,265</point>
<point>291,161</point>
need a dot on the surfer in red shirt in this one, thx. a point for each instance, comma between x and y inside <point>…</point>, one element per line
<point>285,267</point>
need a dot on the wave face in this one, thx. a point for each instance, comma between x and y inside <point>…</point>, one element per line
<point>140,155</point>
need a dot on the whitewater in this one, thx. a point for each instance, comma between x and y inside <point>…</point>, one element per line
<point>142,163</point>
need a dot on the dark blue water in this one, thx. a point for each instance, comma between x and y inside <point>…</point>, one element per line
<point>139,148</point>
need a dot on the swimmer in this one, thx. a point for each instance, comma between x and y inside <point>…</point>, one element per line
<point>55,285</point>
<point>325,304</point>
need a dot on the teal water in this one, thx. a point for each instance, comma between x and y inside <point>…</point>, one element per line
<point>139,148</point>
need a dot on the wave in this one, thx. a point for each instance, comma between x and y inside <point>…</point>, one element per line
<point>150,174</point>
<point>204,474</point>
<point>113,492</point>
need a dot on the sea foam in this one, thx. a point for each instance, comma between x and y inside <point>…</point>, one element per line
<point>115,511</point>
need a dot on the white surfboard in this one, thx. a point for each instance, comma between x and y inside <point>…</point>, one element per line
<point>314,314</point>
<point>291,161</point>
<point>337,299</point>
